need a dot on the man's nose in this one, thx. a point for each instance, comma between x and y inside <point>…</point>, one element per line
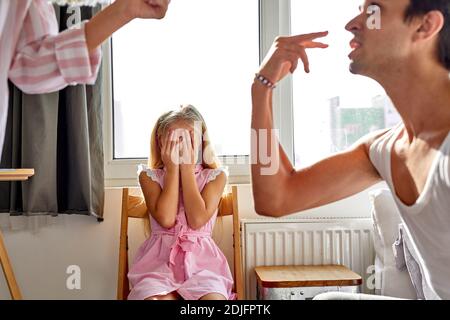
<point>354,25</point>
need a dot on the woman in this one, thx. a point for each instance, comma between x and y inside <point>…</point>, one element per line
<point>39,60</point>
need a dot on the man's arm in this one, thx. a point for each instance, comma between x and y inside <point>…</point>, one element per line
<point>286,190</point>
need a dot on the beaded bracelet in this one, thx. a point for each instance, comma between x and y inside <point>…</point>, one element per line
<point>265,81</point>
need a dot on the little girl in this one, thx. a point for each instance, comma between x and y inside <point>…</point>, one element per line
<point>182,189</point>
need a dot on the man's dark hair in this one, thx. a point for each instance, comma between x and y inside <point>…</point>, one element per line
<point>419,8</point>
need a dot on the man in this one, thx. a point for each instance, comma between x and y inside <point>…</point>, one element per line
<point>410,57</point>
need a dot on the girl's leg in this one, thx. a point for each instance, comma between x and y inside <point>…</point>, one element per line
<point>171,296</point>
<point>213,296</point>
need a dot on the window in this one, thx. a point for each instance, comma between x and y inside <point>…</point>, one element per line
<point>204,53</point>
<point>331,104</point>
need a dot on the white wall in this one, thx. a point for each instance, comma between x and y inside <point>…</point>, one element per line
<point>41,255</point>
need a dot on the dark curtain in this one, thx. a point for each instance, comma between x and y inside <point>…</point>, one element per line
<point>60,136</point>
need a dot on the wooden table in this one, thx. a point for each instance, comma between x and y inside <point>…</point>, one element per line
<point>11,175</point>
<point>335,276</point>
<point>16,174</point>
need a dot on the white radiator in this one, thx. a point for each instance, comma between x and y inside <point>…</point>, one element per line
<point>306,242</point>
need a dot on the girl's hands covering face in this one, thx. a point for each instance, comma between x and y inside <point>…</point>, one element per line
<point>188,151</point>
<point>170,151</point>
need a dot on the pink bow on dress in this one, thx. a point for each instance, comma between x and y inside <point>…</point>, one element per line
<point>184,242</point>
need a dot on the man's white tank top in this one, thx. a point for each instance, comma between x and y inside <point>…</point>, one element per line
<point>427,222</point>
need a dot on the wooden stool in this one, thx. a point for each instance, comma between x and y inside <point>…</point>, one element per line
<point>11,175</point>
<point>304,282</point>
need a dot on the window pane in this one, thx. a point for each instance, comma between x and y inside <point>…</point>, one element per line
<point>332,107</point>
<point>204,53</point>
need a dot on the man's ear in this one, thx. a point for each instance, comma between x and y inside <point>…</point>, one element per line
<point>430,26</point>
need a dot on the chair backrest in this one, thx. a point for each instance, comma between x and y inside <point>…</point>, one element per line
<point>133,206</point>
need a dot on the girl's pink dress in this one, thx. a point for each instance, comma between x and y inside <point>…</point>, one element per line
<point>180,259</point>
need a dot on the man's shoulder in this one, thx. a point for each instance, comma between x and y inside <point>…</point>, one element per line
<point>369,139</point>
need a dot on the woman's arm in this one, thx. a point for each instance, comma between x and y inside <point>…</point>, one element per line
<point>47,61</point>
<point>118,14</point>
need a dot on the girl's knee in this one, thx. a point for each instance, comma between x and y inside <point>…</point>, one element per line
<point>213,296</point>
<point>170,296</point>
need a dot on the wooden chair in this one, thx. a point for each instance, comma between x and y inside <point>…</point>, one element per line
<point>133,206</point>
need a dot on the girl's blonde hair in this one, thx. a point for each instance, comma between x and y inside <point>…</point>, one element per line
<point>186,113</point>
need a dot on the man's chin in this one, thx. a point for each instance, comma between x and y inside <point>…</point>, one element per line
<point>352,70</point>
<point>356,68</point>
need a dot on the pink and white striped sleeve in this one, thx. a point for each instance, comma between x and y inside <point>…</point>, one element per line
<point>46,61</point>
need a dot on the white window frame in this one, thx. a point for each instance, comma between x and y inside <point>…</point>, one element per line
<point>274,21</point>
